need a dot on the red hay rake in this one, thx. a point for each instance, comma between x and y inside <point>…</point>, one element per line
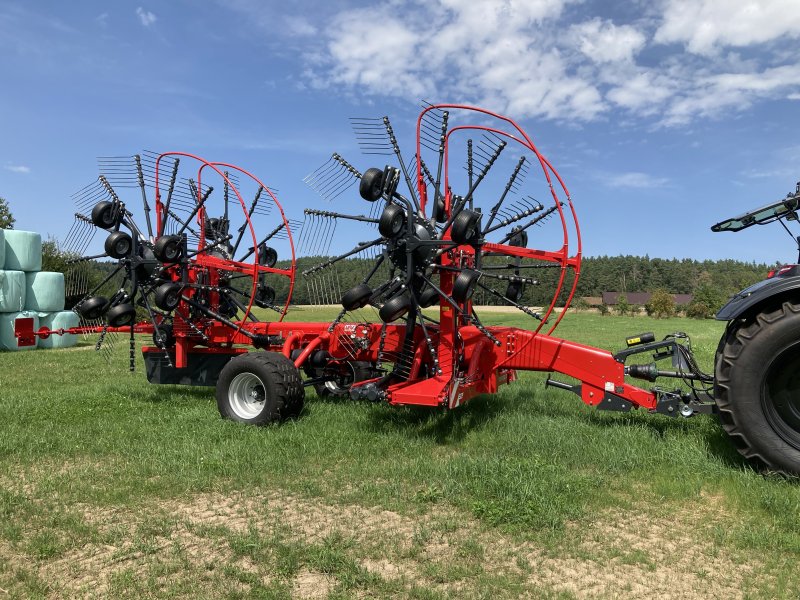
<point>451,237</point>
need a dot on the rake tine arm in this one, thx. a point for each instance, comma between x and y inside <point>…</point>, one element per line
<point>355,250</point>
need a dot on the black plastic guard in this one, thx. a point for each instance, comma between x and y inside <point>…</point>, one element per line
<point>755,295</point>
<point>203,368</point>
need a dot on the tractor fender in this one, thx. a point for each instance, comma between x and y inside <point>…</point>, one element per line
<point>757,294</point>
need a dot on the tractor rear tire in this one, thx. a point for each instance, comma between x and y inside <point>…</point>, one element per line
<point>757,388</point>
<point>260,388</point>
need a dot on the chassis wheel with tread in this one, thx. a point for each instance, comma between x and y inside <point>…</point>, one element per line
<point>757,387</point>
<point>260,388</point>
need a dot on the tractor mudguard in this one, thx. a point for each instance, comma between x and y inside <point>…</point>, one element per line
<point>756,294</point>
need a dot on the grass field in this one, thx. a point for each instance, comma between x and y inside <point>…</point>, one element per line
<point>111,487</point>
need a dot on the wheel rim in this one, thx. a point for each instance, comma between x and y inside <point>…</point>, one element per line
<point>247,395</point>
<point>780,396</point>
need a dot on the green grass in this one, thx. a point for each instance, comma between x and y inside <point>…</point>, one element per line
<point>488,497</point>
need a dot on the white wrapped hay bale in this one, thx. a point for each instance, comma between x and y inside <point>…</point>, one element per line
<point>64,319</point>
<point>23,250</point>
<point>8,341</point>
<point>2,248</point>
<point>12,291</point>
<point>44,291</point>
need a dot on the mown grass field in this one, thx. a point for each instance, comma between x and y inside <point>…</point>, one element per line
<point>111,487</point>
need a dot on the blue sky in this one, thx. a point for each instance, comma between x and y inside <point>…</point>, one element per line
<point>663,117</point>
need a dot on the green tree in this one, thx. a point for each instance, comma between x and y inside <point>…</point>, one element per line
<point>623,307</point>
<point>710,295</point>
<point>662,304</point>
<point>698,310</point>
<point>7,220</point>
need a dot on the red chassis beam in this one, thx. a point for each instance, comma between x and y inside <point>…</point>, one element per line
<point>482,368</point>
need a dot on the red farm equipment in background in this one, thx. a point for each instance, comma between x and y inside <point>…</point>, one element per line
<point>203,277</point>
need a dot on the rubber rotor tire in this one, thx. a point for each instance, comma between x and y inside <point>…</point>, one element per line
<point>163,336</point>
<point>362,370</point>
<point>267,257</point>
<point>121,315</point>
<point>515,290</point>
<point>428,298</point>
<point>93,307</point>
<point>265,295</point>
<point>357,297</point>
<point>466,227</point>
<point>392,221</point>
<point>167,296</point>
<point>103,215</point>
<point>464,285</point>
<point>438,210</point>
<point>371,185</point>
<point>279,382</point>
<point>118,244</point>
<point>519,238</point>
<point>394,308</point>
<point>168,248</point>
<point>754,361</point>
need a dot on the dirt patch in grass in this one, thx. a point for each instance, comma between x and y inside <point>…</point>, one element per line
<point>312,585</point>
<point>620,554</point>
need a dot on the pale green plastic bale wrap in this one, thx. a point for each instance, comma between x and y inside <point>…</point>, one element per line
<point>64,319</point>
<point>8,341</point>
<point>12,291</point>
<point>44,291</point>
<point>23,250</point>
<point>2,248</point>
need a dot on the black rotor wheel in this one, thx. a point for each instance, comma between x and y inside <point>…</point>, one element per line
<point>167,296</point>
<point>105,215</point>
<point>394,308</point>
<point>371,186</point>
<point>356,297</point>
<point>121,315</point>
<point>466,227</point>
<point>168,248</point>
<point>392,221</point>
<point>464,285</point>
<point>118,244</point>
<point>93,307</point>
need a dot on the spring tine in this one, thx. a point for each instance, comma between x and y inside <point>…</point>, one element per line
<point>463,201</point>
<point>357,249</point>
<point>140,178</point>
<point>334,215</point>
<point>396,148</point>
<point>250,212</point>
<point>171,189</point>
<point>200,203</point>
<point>496,207</point>
<point>469,167</point>
<point>534,221</point>
<point>442,138</point>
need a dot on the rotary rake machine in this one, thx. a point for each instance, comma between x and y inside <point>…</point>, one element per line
<point>451,227</point>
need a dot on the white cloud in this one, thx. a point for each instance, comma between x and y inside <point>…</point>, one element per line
<point>146,17</point>
<point>18,169</point>
<point>634,179</point>
<point>300,26</point>
<point>525,58</point>
<point>602,41</point>
<point>707,25</point>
